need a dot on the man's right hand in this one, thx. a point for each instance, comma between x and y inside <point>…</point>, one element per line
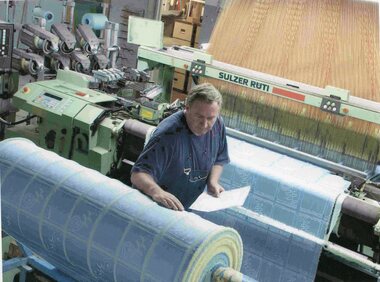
<point>145,183</point>
<point>168,200</point>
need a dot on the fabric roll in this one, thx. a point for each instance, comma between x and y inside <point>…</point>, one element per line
<point>93,228</point>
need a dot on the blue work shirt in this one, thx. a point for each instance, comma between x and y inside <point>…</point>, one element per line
<point>179,161</point>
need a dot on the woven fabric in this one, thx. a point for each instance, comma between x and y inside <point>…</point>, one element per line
<point>288,190</point>
<point>94,228</point>
<point>286,216</point>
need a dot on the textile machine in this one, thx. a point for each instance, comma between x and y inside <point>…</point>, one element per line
<point>308,216</point>
<point>103,132</point>
<point>355,232</point>
<point>85,125</point>
<point>106,132</point>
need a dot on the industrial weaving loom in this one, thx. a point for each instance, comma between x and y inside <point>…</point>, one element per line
<point>318,43</point>
<point>303,138</point>
<point>314,191</point>
<point>333,45</point>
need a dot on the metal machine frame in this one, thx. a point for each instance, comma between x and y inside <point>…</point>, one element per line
<point>199,63</point>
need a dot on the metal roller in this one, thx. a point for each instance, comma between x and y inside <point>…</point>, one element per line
<point>138,128</point>
<point>361,210</point>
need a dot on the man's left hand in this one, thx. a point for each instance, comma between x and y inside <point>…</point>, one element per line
<point>214,189</point>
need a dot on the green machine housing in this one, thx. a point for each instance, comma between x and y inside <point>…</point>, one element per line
<point>73,120</point>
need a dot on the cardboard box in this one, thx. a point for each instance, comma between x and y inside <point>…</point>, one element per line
<point>195,12</point>
<point>179,81</point>
<point>177,95</point>
<point>183,30</point>
<point>170,41</point>
<point>168,25</point>
<point>180,70</point>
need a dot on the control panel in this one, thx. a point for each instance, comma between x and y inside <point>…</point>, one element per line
<point>330,105</point>
<point>52,102</point>
<point>6,46</point>
<point>198,68</point>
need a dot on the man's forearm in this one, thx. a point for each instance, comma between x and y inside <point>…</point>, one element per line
<point>215,173</point>
<point>145,183</point>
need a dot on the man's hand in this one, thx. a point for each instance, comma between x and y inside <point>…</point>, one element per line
<point>214,189</point>
<point>145,183</point>
<point>213,186</point>
<point>168,200</point>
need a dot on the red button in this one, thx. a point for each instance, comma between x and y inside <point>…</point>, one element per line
<point>80,94</point>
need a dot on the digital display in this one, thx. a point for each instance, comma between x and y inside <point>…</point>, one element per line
<point>53,96</point>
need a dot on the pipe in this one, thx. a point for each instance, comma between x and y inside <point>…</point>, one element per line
<point>105,11</point>
<point>114,43</point>
<point>7,10</point>
<point>361,210</point>
<point>64,11</point>
<point>107,38</point>
<point>227,274</point>
<point>353,259</point>
<point>157,16</point>
<point>71,5</point>
<point>137,128</point>
<point>372,191</point>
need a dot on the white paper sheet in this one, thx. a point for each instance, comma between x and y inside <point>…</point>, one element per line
<point>227,199</point>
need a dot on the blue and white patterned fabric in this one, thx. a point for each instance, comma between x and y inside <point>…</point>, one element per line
<point>290,191</point>
<point>286,215</point>
<point>93,228</point>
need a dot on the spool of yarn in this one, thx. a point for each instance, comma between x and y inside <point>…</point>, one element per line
<point>47,15</point>
<point>95,21</point>
<point>94,228</point>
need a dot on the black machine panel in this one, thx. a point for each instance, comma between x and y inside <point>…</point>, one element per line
<point>6,46</point>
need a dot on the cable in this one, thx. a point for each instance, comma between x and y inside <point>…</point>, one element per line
<point>17,122</point>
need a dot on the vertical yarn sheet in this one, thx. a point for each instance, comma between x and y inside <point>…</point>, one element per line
<point>322,42</point>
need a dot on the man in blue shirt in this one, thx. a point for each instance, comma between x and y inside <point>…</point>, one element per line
<point>186,152</point>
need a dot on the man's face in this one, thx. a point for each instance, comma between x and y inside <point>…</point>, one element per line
<point>201,116</point>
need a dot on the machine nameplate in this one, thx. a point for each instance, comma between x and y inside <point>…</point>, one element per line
<point>244,81</point>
